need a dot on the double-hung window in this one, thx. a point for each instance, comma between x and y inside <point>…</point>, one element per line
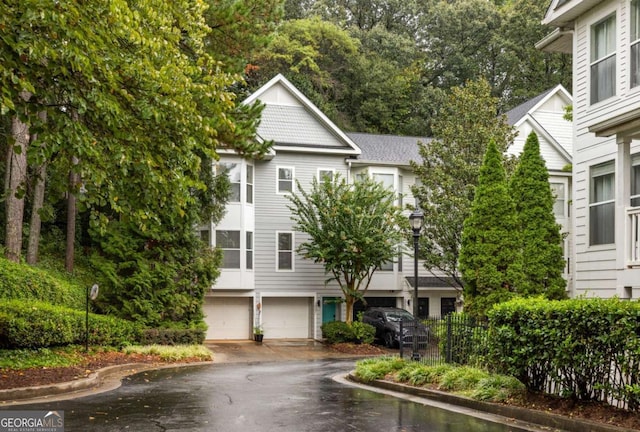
<point>232,170</point>
<point>603,59</point>
<point>325,173</point>
<point>602,204</point>
<point>285,251</point>
<point>285,179</point>
<point>557,190</point>
<point>249,186</point>
<point>249,238</point>
<point>634,43</point>
<point>229,242</point>
<point>635,181</point>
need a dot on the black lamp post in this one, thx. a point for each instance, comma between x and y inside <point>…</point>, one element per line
<point>416,219</point>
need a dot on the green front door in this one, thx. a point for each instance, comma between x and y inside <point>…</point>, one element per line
<point>329,309</point>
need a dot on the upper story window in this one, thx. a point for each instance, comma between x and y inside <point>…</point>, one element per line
<point>602,204</point>
<point>327,173</point>
<point>385,179</point>
<point>229,242</point>
<point>559,205</point>
<point>249,190</point>
<point>635,181</point>
<point>634,42</point>
<point>249,239</point>
<point>285,251</point>
<point>233,170</point>
<point>603,59</point>
<point>285,179</point>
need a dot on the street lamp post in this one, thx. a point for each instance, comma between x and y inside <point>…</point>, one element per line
<point>416,219</point>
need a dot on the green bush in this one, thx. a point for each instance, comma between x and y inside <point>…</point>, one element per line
<point>173,336</point>
<point>341,332</point>
<point>573,343</point>
<point>39,324</point>
<point>19,281</point>
<point>372,369</point>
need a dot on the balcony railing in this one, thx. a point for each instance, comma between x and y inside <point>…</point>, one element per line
<point>633,236</point>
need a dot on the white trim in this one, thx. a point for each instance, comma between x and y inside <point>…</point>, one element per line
<point>293,246</point>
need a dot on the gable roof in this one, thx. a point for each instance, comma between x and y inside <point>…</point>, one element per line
<point>516,114</point>
<point>294,123</point>
<point>387,149</point>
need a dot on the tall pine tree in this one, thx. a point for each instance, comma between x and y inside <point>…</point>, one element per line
<point>490,255</point>
<point>541,237</point>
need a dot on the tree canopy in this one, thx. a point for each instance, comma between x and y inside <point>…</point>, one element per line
<point>352,230</point>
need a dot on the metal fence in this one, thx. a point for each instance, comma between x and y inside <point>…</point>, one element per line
<point>455,338</point>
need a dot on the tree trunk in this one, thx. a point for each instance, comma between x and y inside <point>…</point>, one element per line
<point>16,178</point>
<point>71,218</point>
<point>38,200</point>
<point>349,304</point>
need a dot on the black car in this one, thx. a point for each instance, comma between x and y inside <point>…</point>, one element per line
<point>387,320</point>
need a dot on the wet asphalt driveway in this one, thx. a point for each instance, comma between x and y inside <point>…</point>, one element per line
<point>294,396</point>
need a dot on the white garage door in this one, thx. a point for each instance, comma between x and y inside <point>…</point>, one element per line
<point>285,317</point>
<point>228,317</point>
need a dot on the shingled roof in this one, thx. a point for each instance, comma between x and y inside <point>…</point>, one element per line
<point>521,110</point>
<point>387,149</point>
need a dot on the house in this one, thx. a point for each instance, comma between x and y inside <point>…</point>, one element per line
<point>544,115</point>
<point>603,37</point>
<point>263,280</point>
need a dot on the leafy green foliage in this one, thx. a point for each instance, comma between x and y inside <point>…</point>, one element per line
<point>18,281</point>
<point>462,378</point>
<point>449,171</point>
<point>498,388</point>
<point>461,339</point>
<point>490,255</point>
<point>342,332</point>
<point>172,353</point>
<point>373,369</point>
<point>174,336</point>
<point>541,238</point>
<point>352,230</point>
<point>590,348</point>
<point>37,324</point>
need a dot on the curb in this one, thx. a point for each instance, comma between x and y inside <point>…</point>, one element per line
<point>540,418</point>
<point>104,379</point>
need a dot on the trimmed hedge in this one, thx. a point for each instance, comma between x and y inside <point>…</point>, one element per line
<point>38,324</point>
<point>171,336</point>
<point>356,332</point>
<point>19,281</point>
<point>586,349</point>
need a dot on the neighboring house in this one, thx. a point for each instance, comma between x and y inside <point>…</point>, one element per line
<point>604,37</point>
<point>544,115</point>
<point>263,280</point>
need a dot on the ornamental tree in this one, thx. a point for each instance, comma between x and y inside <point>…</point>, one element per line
<point>490,255</point>
<point>541,238</point>
<point>352,230</point>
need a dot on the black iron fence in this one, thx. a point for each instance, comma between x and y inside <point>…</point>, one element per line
<point>456,338</point>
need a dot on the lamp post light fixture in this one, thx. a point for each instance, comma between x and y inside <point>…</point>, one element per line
<point>416,220</point>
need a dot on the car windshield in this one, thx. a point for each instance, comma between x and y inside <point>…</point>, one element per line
<point>396,316</point>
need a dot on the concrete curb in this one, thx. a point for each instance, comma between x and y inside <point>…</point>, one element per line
<point>101,380</point>
<point>541,418</point>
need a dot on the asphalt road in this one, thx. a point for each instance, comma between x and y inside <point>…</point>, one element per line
<point>295,396</point>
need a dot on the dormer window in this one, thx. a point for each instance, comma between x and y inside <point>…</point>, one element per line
<point>603,59</point>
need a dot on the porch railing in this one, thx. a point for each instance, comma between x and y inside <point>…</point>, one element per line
<point>633,231</point>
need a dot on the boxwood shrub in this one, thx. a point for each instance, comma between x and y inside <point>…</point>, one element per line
<point>18,281</point>
<point>39,324</point>
<point>173,336</point>
<point>587,349</point>
<point>340,332</point>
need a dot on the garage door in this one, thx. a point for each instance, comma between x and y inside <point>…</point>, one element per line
<point>228,317</point>
<point>285,317</point>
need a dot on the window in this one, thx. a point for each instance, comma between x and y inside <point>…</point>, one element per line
<point>386,266</point>
<point>603,59</point>
<point>229,242</point>
<point>285,251</point>
<point>635,181</point>
<point>249,250</point>
<point>601,204</point>
<point>249,186</point>
<point>205,236</point>
<point>232,170</point>
<point>447,306</point>
<point>325,173</point>
<point>557,190</point>
<point>400,197</point>
<point>285,180</point>
<point>635,43</point>
<point>385,179</point>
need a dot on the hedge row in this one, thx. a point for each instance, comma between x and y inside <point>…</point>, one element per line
<point>587,349</point>
<point>356,332</point>
<point>39,324</point>
<point>169,336</point>
<point>25,282</point>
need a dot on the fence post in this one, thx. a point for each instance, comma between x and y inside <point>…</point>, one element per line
<point>401,341</point>
<point>449,337</point>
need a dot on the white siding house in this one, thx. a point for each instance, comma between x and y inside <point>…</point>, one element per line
<point>603,37</point>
